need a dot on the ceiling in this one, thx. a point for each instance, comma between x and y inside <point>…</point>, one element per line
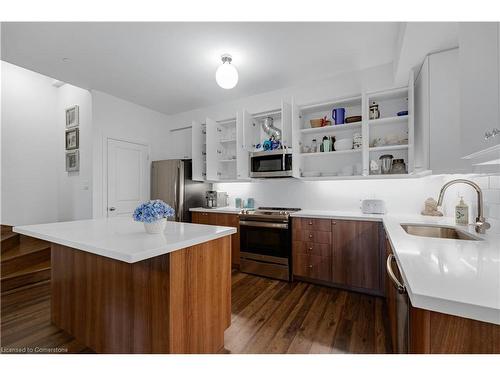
<point>170,67</point>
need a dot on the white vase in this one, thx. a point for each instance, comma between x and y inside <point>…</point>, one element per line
<point>155,227</point>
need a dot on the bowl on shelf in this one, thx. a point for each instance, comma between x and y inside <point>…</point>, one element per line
<point>343,144</point>
<point>319,122</point>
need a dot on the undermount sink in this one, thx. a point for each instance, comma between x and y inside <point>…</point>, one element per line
<point>437,232</point>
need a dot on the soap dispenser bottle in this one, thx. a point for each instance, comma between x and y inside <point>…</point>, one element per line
<point>462,213</point>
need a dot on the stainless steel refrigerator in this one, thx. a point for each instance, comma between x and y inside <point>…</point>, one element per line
<point>171,181</point>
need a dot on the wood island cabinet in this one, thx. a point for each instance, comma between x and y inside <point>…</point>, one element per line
<point>343,253</point>
<point>226,220</point>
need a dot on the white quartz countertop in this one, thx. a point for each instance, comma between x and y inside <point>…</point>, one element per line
<point>450,276</point>
<point>122,238</point>
<point>220,210</point>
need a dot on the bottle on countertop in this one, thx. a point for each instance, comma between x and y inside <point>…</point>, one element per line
<point>462,213</point>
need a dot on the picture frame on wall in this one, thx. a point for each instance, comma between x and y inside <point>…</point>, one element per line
<point>72,116</point>
<point>72,139</point>
<point>72,161</point>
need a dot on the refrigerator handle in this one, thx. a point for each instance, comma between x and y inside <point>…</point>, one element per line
<point>179,194</point>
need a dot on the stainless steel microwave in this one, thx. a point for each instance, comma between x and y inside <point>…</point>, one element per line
<point>268,164</point>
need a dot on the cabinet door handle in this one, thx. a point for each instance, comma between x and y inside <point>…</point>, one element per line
<point>310,249</point>
<point>310,266</point>
<point>399,286</point>
<point>310,223</point>
<point>310,236</point>
<point>334,222</point>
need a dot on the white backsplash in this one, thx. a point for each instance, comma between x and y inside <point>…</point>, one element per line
<point>402,196</point>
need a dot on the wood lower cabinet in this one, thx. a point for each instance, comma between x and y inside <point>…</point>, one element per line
<point>344,253</point>
<point>356,256</point>
<point>226,220</point>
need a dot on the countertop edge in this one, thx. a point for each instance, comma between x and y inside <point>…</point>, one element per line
<point>128,259</point>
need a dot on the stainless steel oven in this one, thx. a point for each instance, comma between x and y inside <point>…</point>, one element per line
<point>275,163</point>
<point>265,242</point>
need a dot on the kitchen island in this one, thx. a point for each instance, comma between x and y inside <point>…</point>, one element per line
<point>118,289</point>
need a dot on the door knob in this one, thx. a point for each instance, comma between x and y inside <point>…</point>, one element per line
<point>112,209</point>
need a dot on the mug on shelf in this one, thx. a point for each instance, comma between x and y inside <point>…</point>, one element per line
<point>338,116</point>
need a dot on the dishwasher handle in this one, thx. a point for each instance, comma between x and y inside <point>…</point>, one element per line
<point>399,286</point>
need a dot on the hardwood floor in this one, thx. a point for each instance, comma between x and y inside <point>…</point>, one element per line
<point>268,316</point>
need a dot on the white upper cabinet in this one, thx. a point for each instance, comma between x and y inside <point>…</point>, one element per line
<point>286,123</point>
<point>221,149</point>
<point>212,149</point>
<point>437,115</point>
<point>198,151</point>
<point>479,68</point>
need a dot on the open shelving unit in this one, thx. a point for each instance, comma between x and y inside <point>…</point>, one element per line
<point>221,149</point>
<point>328,164</point>
<point>389,134</point>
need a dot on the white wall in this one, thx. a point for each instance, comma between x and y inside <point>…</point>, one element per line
<point>118,119</point>
<point>29,141</point>
<point>75,194</point>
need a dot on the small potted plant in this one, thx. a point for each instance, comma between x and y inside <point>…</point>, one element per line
<point>154,215</point>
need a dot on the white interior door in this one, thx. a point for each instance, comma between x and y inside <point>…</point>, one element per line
<point>127,176</point>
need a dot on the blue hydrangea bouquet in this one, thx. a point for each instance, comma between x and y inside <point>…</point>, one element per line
<point>154,215</point>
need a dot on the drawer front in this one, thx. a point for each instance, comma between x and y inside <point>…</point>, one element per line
<point>300,224</point>
<point>312,266</point>
<point>312,248</point>
<point>315,236</point>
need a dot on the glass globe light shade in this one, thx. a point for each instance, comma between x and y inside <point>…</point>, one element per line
<point>226,75</point>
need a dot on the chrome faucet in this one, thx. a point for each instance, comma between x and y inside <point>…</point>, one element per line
<point>481,224</point>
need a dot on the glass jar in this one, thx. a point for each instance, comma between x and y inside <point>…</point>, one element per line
<point>398,166</point>
<point>314,146</point>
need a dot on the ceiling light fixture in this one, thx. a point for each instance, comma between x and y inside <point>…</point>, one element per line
<point>226,74</point>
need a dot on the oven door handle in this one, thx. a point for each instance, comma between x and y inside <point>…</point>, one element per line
<point>262,224</point>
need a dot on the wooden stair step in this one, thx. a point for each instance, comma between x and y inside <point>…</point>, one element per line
<point>9,240</point>
<point>30,251</point>
<point>29,275</point>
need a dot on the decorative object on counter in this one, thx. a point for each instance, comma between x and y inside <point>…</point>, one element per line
<point>462,213</point>
<point>386,163</point>
<point>402,113</point>
<point>238,203</point>
<point>343,144</point>
<point>72,161</point>
<point>338,116</point>
<point>398,166</point>
<point>351,119</point>
<point>374,167</point>
<point>154,215</point>
<point>72,139</point>
<point>431,208</point>
<point>357,140</point>
<point>72,116</point>
<point>319,122</point>
<point>373,206</point>
<point>374,111</point>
